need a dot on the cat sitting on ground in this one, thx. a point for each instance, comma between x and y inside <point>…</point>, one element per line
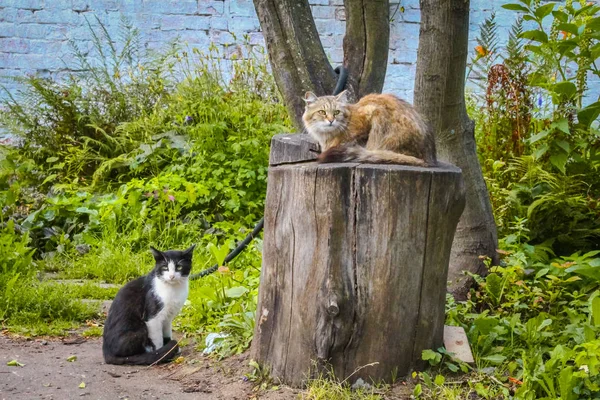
<point>138,327</point>
<point>380,128</point>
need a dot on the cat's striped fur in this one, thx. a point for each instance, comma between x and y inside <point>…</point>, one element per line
<point>380,128</point>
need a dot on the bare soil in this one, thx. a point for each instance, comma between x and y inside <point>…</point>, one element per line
<point>47,374</point>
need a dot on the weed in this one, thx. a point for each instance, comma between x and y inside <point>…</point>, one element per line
<point>94,331</point>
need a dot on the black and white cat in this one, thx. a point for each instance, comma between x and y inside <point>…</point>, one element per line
<point>138,327</point>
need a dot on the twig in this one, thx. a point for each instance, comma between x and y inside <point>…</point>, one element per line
<point>166,354</point>
<point>359,368</point>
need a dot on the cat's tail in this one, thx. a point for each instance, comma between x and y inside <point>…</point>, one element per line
<point>360,154</point>
<point>162,355</point>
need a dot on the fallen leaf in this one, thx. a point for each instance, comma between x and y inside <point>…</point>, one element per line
<point>179,360</point>
<point>14,363</point>
<point>223,269</point>
<point>82,385</point>
<point>133,371</point>
<point>71,358</point>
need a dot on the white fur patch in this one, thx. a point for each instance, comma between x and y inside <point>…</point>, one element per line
<point>173,296</point>
<point>171,272</point>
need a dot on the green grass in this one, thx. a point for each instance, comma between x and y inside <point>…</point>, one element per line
<point>108,263</point>
<point>90,290</point>
<point>94,331</point>
<point>326,389</point>
<point>36,308</point>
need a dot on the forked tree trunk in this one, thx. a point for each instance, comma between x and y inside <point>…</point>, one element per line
<point>297,57</point>
<point>439,96</point>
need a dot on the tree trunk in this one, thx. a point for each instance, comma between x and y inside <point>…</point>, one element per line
<point>354,269</point>
<point>439,96</point>
<point>297,57</point>
<point>366,45</point>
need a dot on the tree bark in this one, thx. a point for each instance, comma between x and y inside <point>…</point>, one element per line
<point>354,269</point>
<point>297,57</point>
<point>366,45</point>
<point>439,96</point>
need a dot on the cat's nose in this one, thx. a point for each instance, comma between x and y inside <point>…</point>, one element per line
<point>331,121</point>
<point>171,276</point>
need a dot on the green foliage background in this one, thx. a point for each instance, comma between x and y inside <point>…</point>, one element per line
<point>145,149</point>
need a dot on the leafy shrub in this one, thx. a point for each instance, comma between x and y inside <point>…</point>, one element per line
<point>16,260</point>
<point>536,320</point>
<point>533,322</point>
<point>171,153</point>
<point>165,165</point>
<point>538,143</point>
<point>71,126</point>
<point>225,302</point>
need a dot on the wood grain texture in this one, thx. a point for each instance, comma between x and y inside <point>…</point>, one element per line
<point>292,148</point>
<point>355,261</point>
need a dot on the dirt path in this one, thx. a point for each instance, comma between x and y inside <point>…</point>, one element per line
<point>47,374</point>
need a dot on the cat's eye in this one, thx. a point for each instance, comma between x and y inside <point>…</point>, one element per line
<point>322,112</point>
<point>178,268</point>
<point>165,268</point>
<point>336,112</point>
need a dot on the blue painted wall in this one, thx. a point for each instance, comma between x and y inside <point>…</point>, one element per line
<point>34,34</point>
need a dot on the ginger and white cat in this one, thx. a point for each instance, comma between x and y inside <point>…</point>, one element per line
<point>380,128</point>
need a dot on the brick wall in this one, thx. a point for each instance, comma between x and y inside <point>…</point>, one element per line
<point>34,33</point>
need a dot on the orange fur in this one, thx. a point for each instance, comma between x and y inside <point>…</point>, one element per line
<point>396,132</point>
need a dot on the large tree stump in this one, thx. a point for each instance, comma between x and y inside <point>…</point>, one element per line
<point>355,263</point>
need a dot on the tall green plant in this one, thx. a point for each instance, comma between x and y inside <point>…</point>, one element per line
<point>71,126</point>
<point>538,144</point>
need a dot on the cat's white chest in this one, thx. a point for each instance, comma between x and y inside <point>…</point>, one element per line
<point>173,297</point>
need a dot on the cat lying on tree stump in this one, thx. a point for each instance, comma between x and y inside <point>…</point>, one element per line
<point>355,262</point>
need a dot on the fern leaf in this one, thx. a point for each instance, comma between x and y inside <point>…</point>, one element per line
<point>514,46</point>
<point>488,34</point>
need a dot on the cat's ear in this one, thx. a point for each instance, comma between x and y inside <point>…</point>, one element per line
<point>158,256</point>
<point>342,97</point>
<point>189,251</point>
<point>309,97</point>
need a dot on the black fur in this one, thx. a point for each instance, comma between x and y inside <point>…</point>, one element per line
<point>125,331</point>
<point>334,154</point>
<point>340,153</point>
